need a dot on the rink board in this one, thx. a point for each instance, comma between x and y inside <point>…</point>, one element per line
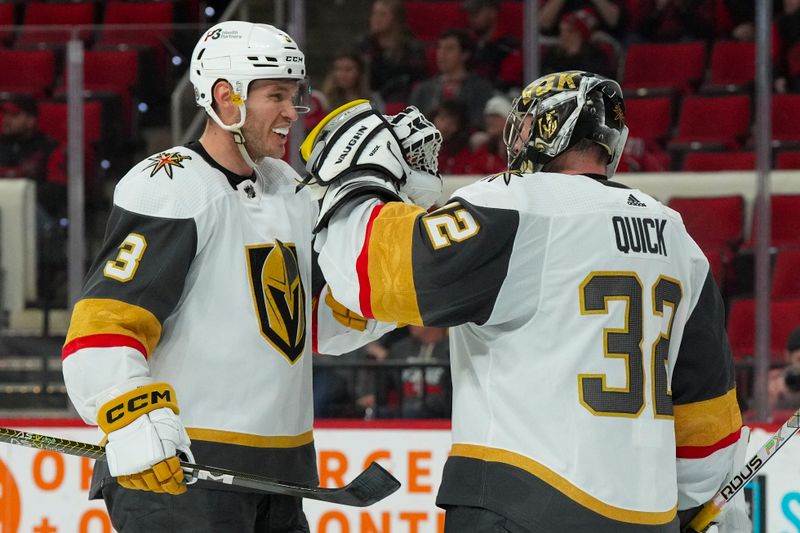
<point>47,492</point>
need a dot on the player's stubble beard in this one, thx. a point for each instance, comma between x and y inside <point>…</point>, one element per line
<point>260,144</point>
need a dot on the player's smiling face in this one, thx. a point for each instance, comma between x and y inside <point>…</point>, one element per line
<point>270,114</point>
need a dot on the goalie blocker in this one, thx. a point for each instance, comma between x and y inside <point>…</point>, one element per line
<point>356,151</point>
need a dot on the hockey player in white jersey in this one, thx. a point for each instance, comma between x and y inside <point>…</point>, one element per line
<point>196,319</point>
<point>593,381</point>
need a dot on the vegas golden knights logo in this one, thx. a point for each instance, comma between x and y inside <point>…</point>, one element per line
<point>548,125</point>
<point>278,296</point>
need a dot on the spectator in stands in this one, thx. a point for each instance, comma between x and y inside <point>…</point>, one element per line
<point>492,47</point>
<point>574,50</point>
<point>395,59</point>
<point>27,152</point>
<point>427,391</point>
<point>787,67</point>
<point>455,156</point>
<point>742,14</point>
<point>609,12</point>
<point>347,80</point>
<point>489,147</point>
<point>454,80</point>
<point>333,392</point>
<point>784,383</point>
<point>674,20</point>
<point>409,392</point>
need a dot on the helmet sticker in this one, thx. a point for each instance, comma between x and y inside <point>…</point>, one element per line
<point>548,125</point>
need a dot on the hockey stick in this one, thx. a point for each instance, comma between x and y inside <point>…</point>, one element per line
<point>713,507</point>
<point>370,486</point>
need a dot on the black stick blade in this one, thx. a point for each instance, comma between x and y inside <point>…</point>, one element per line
<point>370,486</point>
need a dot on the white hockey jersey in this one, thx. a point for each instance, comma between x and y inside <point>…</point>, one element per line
<point>593,382</point>
<point>204,281</point>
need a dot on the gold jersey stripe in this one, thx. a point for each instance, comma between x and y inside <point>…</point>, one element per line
<point>246,439</point>
<point>562,485</point>
<point>706,423</point>
<point>391,276</point>
<point>94,316</point>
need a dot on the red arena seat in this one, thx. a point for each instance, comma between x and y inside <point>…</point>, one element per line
<point>788,160</point>
<point>786,275</point>
<point>139,14</point>
<point>786,119</point>
<point>427,20</point>
<point>649,118</point>
<point>733,66</point>
<point>716,161</point>
<point>6,19</point>
<point>712,222</point>
<point>741,328</point>
<point>719,121</point>
<point>680,66</point>
<point>53,120</point>
<point>47,13</point>
<point>34,71</point>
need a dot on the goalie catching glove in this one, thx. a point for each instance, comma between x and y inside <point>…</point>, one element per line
<point>144,435</point>
<point>355,151</point>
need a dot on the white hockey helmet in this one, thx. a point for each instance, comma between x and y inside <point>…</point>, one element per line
<point>557,111</point>
<point>240,52</point>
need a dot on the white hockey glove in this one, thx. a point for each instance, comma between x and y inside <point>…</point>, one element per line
<point>421,142</point>
<point>144,436</point>
<point>734,516</point>
<point>354,152</point>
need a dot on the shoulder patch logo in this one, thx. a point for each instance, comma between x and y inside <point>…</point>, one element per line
<point>279,296</point>
<point>632,200</point>
<point>166,161</point>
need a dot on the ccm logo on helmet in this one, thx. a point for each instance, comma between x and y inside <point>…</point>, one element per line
<point>137,403</point>
<point>294,59</point>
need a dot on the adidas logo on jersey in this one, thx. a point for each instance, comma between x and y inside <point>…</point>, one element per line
<point>632,200</point>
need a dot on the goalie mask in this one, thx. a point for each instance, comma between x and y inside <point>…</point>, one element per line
<point>557,111</point>
<point>239,53</point>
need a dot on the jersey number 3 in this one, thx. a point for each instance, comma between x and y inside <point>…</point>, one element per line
<point>626,343</point>
<point>124,266</point>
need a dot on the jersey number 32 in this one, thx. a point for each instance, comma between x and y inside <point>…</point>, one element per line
<point>626,343</point>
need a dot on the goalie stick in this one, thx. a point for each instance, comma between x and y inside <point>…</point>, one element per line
<point>370,486</point>
<point>703,519</point>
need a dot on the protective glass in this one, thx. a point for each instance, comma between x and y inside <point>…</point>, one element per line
<point>302,98</point>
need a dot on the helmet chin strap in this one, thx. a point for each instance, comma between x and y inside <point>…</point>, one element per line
<point>238,139</point>
<point>236,131</point>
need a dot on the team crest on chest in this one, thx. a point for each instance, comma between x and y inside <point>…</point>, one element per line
<point>279,296</point>
<point>166,161</point>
